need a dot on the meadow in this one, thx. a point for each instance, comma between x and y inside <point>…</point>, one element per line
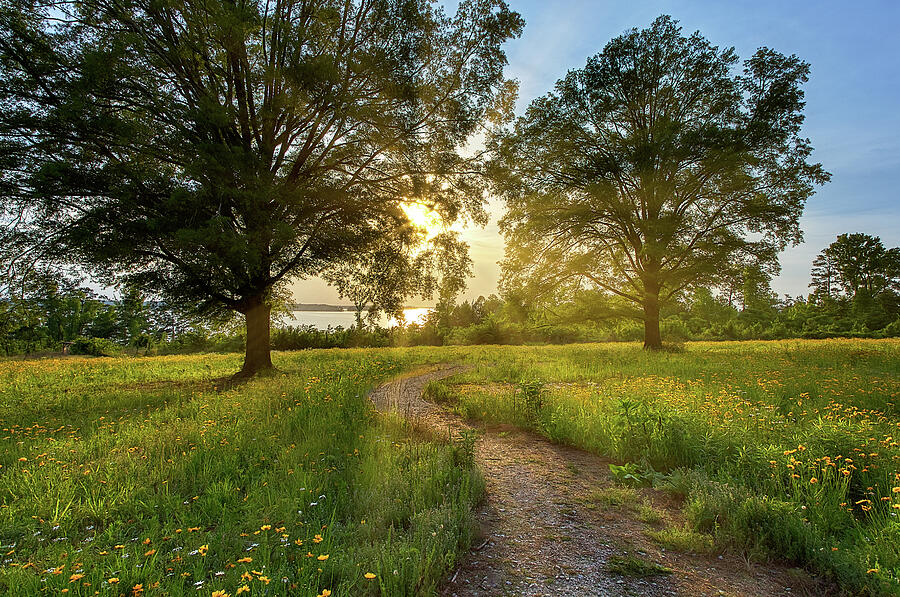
<point>133,476</point>
<point>130,476</point>
<point>784,451</point>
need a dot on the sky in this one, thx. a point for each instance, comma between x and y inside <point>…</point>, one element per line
<point>852,105</point>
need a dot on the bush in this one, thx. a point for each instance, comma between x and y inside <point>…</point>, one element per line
<point>674,330</point>
<point>95,347</point>
<point>307,336</point>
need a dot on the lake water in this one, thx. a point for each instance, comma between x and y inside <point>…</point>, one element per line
<point>346,319</point>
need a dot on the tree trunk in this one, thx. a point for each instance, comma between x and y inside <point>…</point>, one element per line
<point>652,338</point>
<point>257,358</point>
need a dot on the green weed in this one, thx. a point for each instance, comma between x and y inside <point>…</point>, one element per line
<point>629,565</point>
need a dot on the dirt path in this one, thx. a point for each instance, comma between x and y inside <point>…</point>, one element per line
<point>544,534</point>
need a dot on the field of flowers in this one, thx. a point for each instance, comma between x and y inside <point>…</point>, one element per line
<point>783,450</point>
<point>142,476</point>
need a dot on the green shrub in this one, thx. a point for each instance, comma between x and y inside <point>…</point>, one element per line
<point>95,347</point>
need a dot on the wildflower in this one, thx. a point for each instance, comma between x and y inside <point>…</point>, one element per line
<point>147,541</point>
<point>813,481</point>
<point>203,549</point>
<point>242,589</point>
<point>264,579</point>
<point>368,576</point>
<point>246,576</point>
<point>76,577</point>
<point>324,593</point>
<point>323,557</point>
<point>871,570</point>
<point>113,580</point>
<point>220,593</point>
<point>149,552</point>
<point>896,490</point>
<point>265,527</point>
<point>245,560</point>
<point>317,539</point>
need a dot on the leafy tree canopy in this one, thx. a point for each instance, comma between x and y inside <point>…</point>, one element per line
<point>856,263</point>
<point>209,152</point>
<point>654,168</point>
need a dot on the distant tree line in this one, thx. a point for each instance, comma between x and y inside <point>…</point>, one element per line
<point>855,293</point>
<point>47,310</point>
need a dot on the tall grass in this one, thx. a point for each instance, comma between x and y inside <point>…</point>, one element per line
<point>128,475</point>
<point>145,472</point>
<point>786,450</point>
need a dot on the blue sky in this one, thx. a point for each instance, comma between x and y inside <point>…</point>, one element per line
<point>853,103</point>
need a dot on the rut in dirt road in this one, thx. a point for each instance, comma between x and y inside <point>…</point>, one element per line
<point>541,533</point>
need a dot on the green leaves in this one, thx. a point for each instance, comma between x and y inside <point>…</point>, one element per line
<point>210,152</point>
<point>644,173</point>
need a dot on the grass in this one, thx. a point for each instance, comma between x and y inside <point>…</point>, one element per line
<point>143,470</point>
<point>783,450</point>
<point>129,475</point>
<point>682,539</point>
<point>630,565</point>
<point>616,497</point>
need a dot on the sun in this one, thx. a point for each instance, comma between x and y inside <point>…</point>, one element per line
<point>423,217</point>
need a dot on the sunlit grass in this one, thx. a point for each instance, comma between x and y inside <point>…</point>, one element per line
<point>782,450</point>
<point>791,446</point>
<point>123,475</point>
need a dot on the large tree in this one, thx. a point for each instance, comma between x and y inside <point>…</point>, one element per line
<point>655,168</point>
<point>856,263</point>
<point>209,151</point>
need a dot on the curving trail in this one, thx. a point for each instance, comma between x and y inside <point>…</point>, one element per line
<point>543,535</point>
